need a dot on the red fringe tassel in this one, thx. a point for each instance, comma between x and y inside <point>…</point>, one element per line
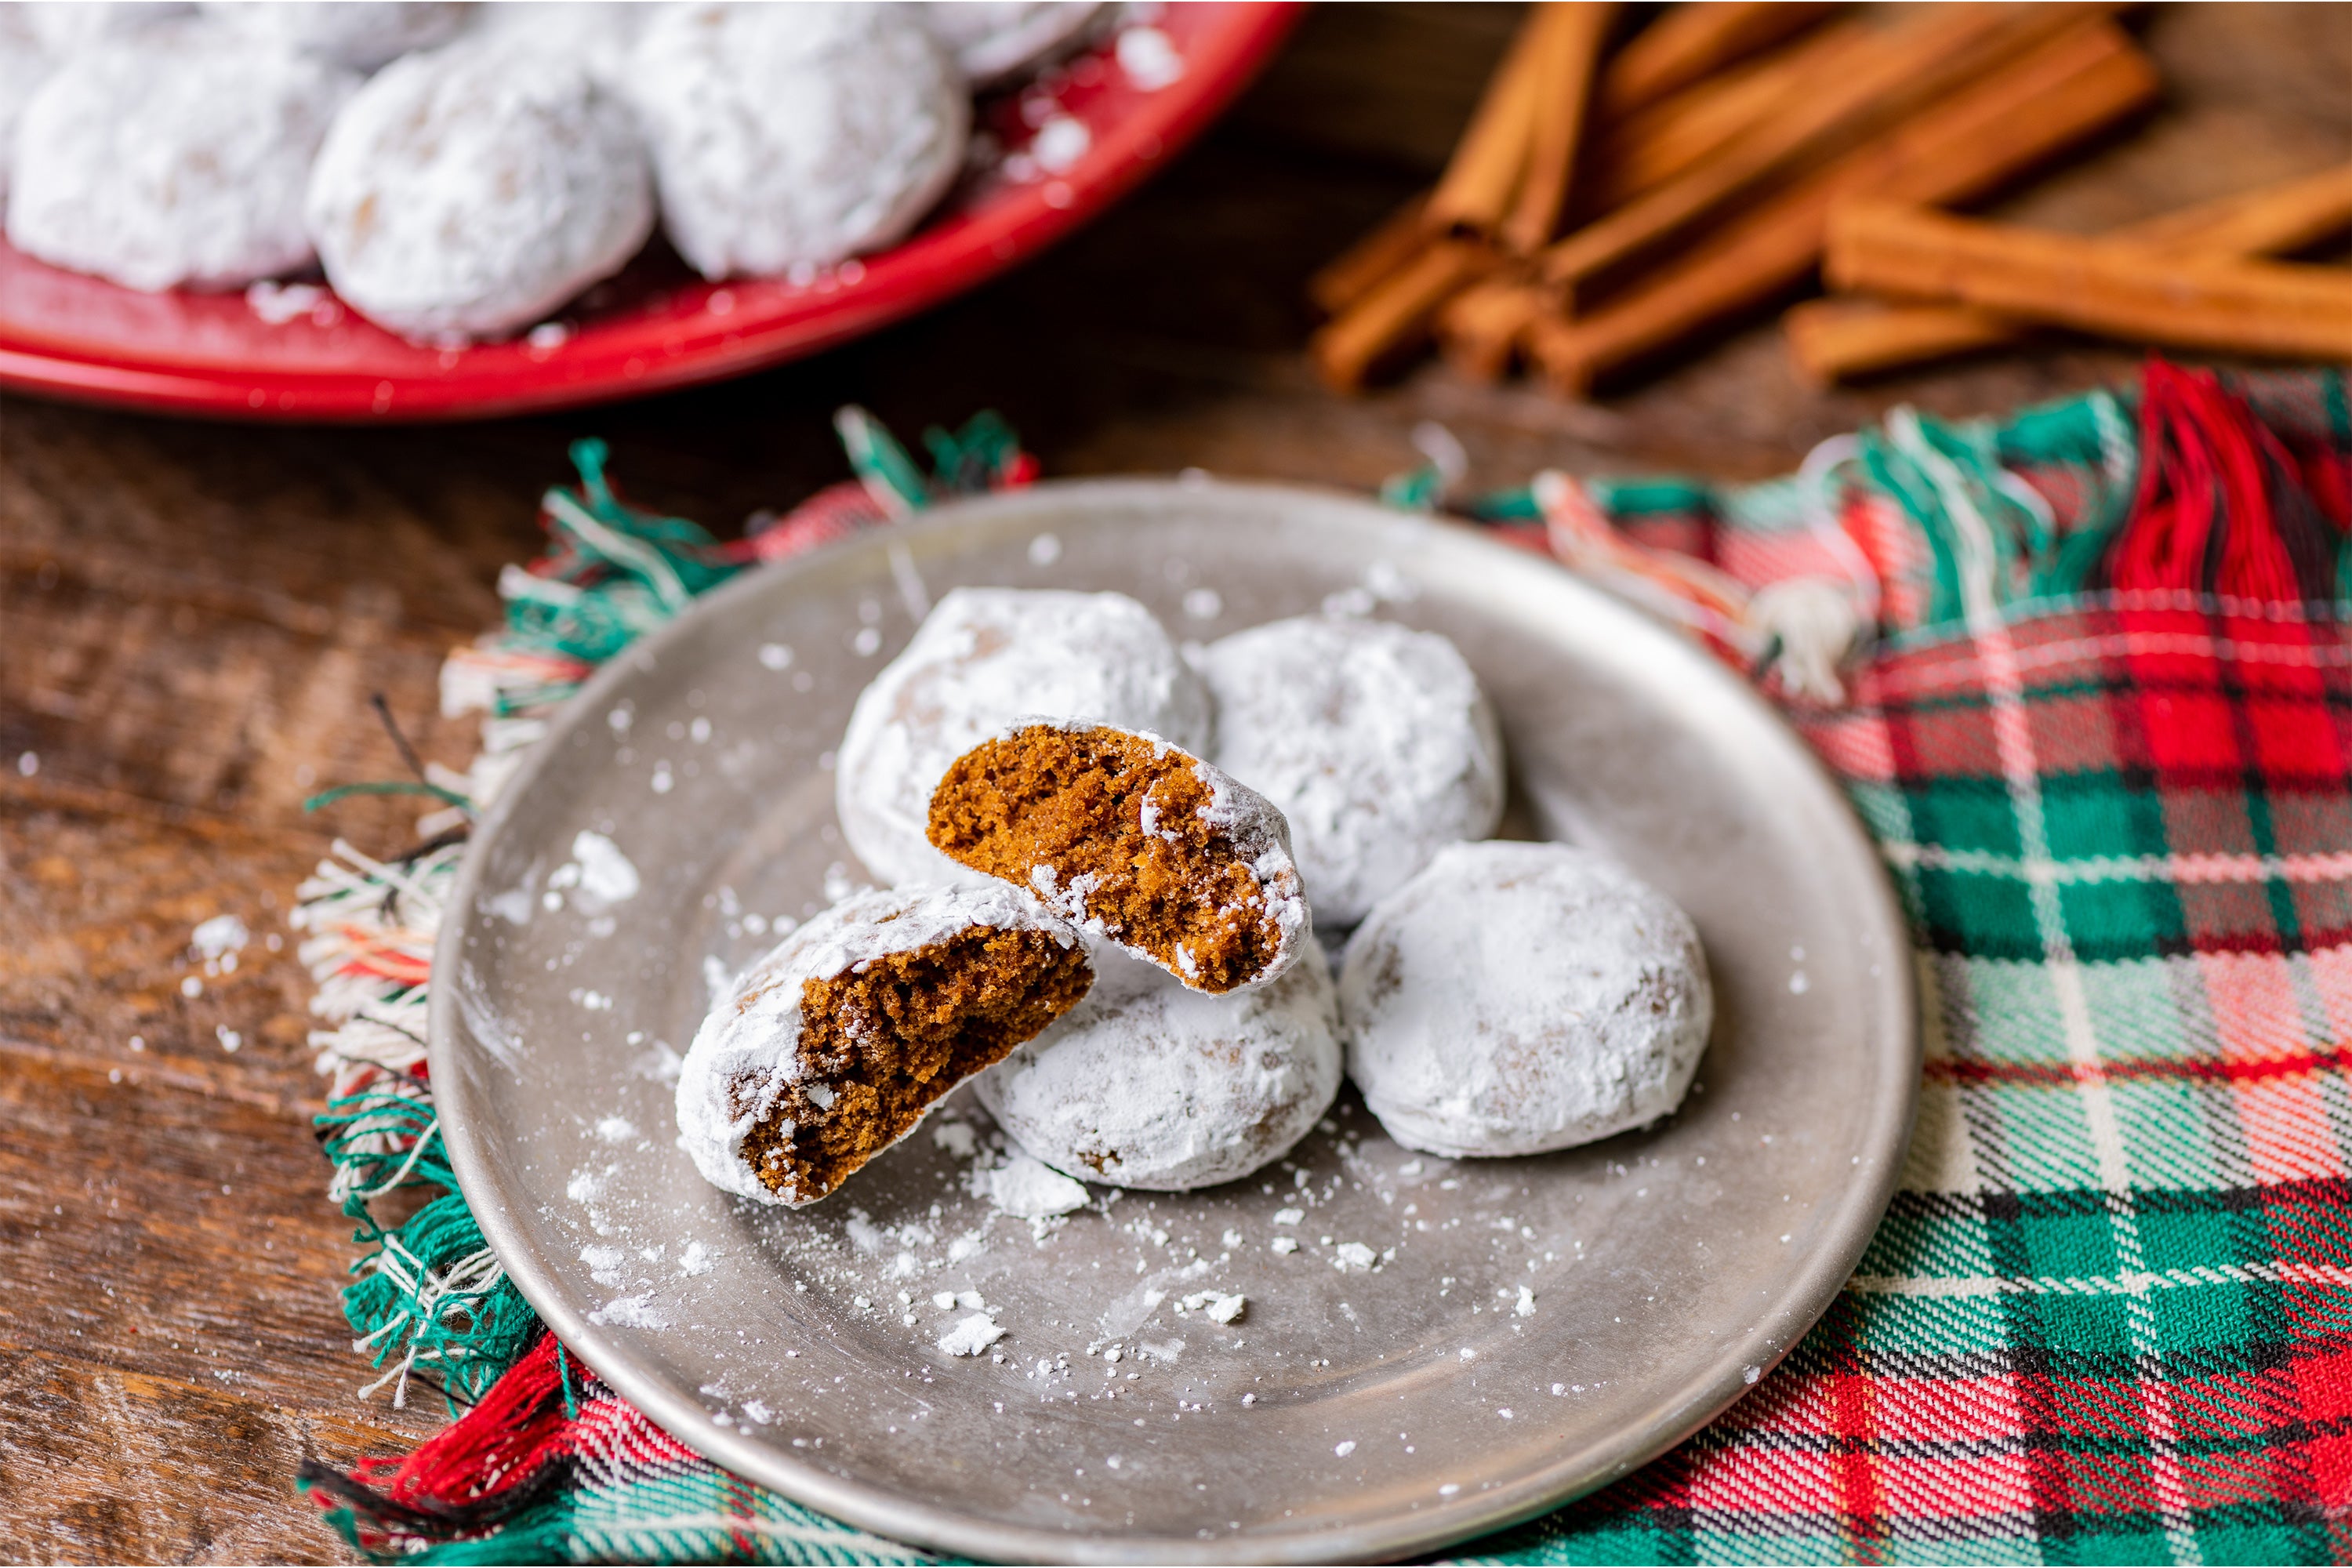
<point>2221,506</point>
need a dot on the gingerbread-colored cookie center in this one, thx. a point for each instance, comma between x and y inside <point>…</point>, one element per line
<point>1115,821</point>
<point>879,1044</point>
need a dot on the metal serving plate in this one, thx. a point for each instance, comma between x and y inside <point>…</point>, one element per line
<point>1352,1413</point>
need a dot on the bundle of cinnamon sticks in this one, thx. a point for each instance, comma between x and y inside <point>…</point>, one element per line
<point>1614,197</point>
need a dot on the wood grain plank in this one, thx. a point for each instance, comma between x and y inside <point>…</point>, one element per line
<point>99,1464</point>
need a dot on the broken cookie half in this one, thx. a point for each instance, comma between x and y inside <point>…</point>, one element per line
<point>1144,846</point>
<point>832,1048</point>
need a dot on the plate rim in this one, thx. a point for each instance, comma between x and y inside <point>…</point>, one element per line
<point>1027,222</point>
<point>1803,1298</point>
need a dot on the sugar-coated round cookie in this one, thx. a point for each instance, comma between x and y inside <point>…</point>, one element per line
<point>361,33</point>
<point>25,64</point>
<point>1515,998</point>
<point>470,190</point>
<point>1137,842</point>
<point>66,26</point>
<point>600,33</point>
<point>1373,739</point>
<point>983,658</point>
<point>173,155</point>
<point>796,136</point>
<point>993,39</point>
<point>1146,1084</point>
<point>858,1023</point>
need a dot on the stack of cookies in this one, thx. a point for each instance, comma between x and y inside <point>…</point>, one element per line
<point>1110,859</point>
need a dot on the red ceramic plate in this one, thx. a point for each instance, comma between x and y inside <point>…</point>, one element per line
<point>656,325</point>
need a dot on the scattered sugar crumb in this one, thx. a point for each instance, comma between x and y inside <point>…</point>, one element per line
<point>1028,1188</point>
<point>1356,1254</point>
<point>1059,143</point>
<point>1149,60</point>
<point>606,877</point>
<point>278,303</point>
<point>956,1137</point>
<point>696,1260</point>
<point>1527,1305</point>
<point>219,936</point>
<point>971,1335</point>
<point>629,1312</point>
<point>1289,1217</point>
<point>229,1038</point>
<point>586,1185</point>
<point>616,1130</point>
<point>1285,1245</point>
<point>1346,1449</point>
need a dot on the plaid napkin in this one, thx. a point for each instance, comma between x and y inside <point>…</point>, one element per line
<point>2105,743</point>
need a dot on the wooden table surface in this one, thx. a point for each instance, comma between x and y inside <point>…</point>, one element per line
<point>193,616</point>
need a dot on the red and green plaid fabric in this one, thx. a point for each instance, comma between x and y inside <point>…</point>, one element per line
<point>2109,1315</point>
<point>2108,1318</point>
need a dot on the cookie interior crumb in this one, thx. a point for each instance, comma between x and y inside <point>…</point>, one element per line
<point>1119,816</point>
<point>880,1043</point>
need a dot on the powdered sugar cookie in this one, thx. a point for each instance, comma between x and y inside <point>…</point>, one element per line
<point>1140,844</point>
<point>64,26</point>
<point>1146,1084</point>
<point>1373,739</point>
<point>361,33</point>
<point>598,33</point>
<point>982,659</point>
<point>993,39</point>
<point>1515,998</point>
<point>788,135</point>
<point>175,155</point>
<point>470,190</point>
<point>25,64</point>
<point>832,1048</point>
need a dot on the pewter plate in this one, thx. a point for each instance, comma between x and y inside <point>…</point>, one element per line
<point>1527,1330</point>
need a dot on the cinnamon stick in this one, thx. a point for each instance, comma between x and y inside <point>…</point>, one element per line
<point>1394,311</point>
<point>2281,217</point>
<point>1963,146</point>
<point>2270,307</point>
<point>1570,50</point>
<point>1640,153</point>
<point>1350,275</point>
<point>1482,176</point>
<point>1692,41</point>
<point>1479,329</point>
<point>1834,339</point>
<point>1919,63</point>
